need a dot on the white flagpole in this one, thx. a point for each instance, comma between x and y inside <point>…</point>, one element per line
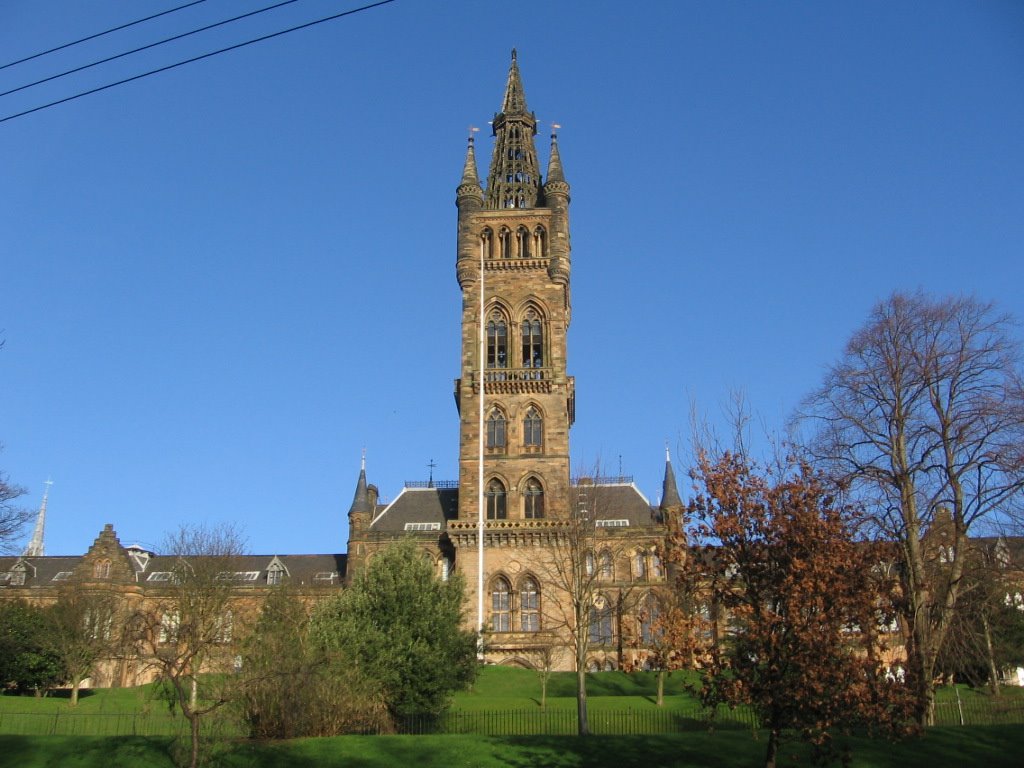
<point>480,468</point>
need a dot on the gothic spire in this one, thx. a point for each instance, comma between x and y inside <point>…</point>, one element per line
<point>469,195</point>
<point>35,545</point>
<point>669,491</point>
<point>555,173</point>
<point>469,175</point>
<point>514,177</point>
<point>361,499</point>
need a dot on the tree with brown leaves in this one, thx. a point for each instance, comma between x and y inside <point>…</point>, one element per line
<point>801,600</point>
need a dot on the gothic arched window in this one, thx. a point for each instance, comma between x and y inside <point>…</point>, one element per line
<point>523,242</point>
<point>505,243</point>
<point>533,432</point>
<point>496,498</point>
<point>601,621</point>
<point>496,429</point>
<point>485,243</point>
<point>649,610</point>
<point>639,566</point>
<point>533,500</point>
<point>607,572</point>
<point>533,340</point>
<point>101,570</point>
<point>497,340</point>
<point>529,606</point>
<point>540,242</point>
<point>501,606</point>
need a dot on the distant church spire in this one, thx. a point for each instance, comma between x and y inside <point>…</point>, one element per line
<point>35,546</point>
<point>514,177</point>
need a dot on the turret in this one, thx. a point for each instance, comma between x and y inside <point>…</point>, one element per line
<point>361,511</point>
<point>556,197</point>
<point>671,505</point>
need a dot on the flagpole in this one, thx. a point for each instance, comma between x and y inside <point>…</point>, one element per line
<point>480,468</point>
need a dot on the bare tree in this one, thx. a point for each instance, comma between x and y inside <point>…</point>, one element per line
<point>190,627</point>
<point>924,412</point>
<point>82,631</point>
<point>585,600</point>
<point>12,518</point>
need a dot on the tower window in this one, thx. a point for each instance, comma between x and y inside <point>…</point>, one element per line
<point>533,432</point>
<point>485,244</point>
<point>523,242</point>
<point>533,500</point>
<point>505,243</point>
<point>497,341</point>
<point>540,247</point>
<point>496,498</point>
<point>529,606</point>
<point>496,429</point>
<point>533,341</point>
<point>501,607</point>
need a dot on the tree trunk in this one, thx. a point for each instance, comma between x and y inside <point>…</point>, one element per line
<point>661,687</point>
<point>581,700</point>
<point>76,683</point>
<point>544,693</point>
<point>990,655</point>
<point>773,748</point>
<point>194,723</point>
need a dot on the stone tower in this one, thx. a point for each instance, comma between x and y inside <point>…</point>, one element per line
<point>516,233</point>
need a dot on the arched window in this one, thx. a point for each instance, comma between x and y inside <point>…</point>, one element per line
<point>601,621</point>
<point>588,563</point>
<point>485,243</point>
<point>607,566</point>
<point>533,500</point>
<point>501,606</point>
<point>496,500</point>
<point>101,569</point>
<point>532,428</point>
<point>497,340</point>
<point>656,569</point>
<point>533,340</point>
<point>529,606</point>
<point>505,242</point>
<point>496,429</point>
<point>639,566</point>
<point>444,568</point>
<point>523,242</point>
<point>649,610</point>
<point>540,243</point>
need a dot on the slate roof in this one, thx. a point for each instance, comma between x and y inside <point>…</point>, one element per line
<point>300,570</point>
<point>417,505</point>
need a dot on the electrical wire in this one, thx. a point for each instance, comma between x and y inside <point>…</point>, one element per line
<point>196,58</point>
<point>147,47</point>
<point>101,34</point>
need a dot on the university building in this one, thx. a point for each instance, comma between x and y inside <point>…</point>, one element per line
<point>516,405</point>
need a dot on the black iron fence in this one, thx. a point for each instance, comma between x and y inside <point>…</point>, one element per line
<point>521,722</point>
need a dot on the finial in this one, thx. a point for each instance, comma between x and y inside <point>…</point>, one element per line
<point>362,462</point>
<point>668,456</point>
<point>472,129</point>
<point>554,131</point>
<point>513,54</point>
<point>430,465</point>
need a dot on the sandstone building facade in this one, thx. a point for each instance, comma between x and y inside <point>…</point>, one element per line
<point>513,267</point>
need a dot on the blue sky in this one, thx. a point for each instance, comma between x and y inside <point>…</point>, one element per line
<point>220,283</point>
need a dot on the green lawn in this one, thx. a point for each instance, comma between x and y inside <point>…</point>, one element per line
<point>993,747</point>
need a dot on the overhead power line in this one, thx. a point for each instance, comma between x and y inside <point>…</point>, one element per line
<point>196,58</point>
<point>150,45</point>
<point>101,34</point>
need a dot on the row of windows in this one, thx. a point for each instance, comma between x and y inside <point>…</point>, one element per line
<point>643,565</point>
<point>497,500</point>
<point>497,429</point>
<point>519,611</point>
<point>522,244</point>
<point>531,340</point>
